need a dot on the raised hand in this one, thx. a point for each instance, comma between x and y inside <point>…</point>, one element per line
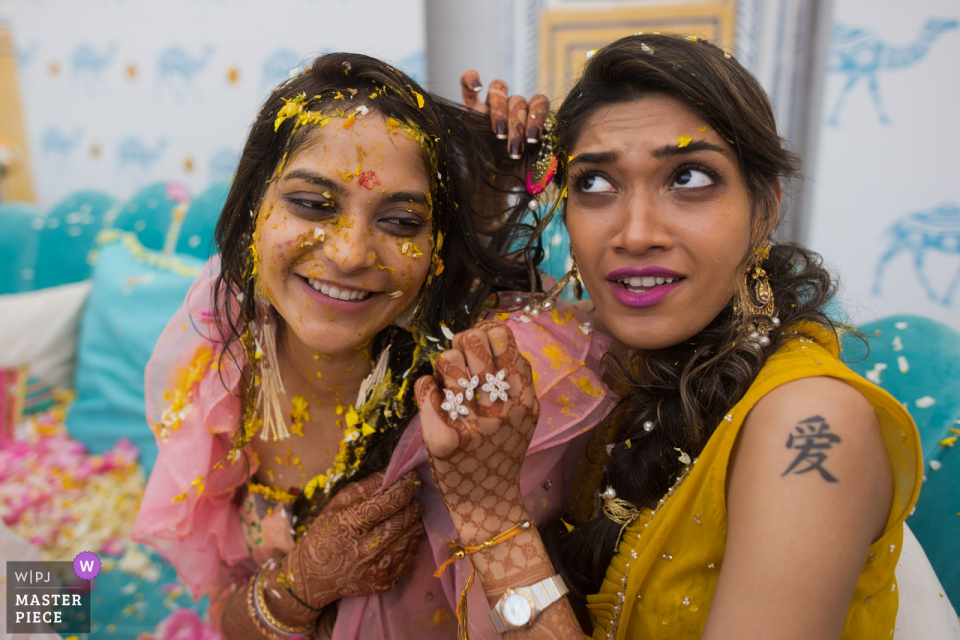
<point>477,446</point>
<point>361,543</point>
<point>512,118</point>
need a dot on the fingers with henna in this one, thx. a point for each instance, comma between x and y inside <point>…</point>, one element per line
<point>517,118</point>
<point>396,558</point>
<point>470,88</point>
<point>497,103</point>
<point>506,353</point>
<point>539,106</point>
<point>441,439</point>
<point>366,514</point>
<point>476,350</point>
<point>394,528</point>
<point>355,492</point>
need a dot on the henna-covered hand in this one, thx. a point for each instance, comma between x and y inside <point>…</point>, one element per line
<point>476,457</point>
<point>362,543</point>
<point>511,117</point>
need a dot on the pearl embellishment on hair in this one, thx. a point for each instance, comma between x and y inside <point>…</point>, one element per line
<point>648,425</point>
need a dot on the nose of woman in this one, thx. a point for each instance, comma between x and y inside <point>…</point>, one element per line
<point>641,226</point>
<point>351,248</point>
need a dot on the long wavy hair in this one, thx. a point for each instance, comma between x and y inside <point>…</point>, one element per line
<point>479,209</point>
<point>688,388</point>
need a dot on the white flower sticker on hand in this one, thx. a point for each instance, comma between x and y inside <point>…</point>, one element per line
<point>497,386</point>
<point>454,405</point>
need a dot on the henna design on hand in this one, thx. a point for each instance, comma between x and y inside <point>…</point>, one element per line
<point>476,459</point>
<point>362,543</point>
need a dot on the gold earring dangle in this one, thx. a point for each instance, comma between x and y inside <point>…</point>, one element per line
<point>544,302</point>
<point>756,302</point>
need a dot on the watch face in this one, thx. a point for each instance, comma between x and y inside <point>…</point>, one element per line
<point>517,610</point>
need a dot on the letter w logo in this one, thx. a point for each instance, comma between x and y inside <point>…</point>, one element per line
<point>86,565</point>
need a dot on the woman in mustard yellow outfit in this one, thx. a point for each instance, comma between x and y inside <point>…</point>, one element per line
<point>746,483</point>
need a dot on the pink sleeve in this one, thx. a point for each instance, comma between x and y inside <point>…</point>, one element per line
<point>189,512</point>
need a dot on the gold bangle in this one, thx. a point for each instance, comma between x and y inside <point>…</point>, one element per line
<point>254,618</point>
<point>262,603</point>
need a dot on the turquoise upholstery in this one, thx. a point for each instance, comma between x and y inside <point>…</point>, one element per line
<point>18,246</point>
<point>149,214</point>
<point>135,293</point>
<point>196,232</point>
<point>929,386</point>
<point>67,237</point>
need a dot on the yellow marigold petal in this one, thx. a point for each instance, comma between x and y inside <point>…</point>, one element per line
<point>948,442</point>
<point>352,417</point>
<point>418,97</point>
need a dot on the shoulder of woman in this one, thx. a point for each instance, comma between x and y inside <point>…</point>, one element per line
<point>813,445</point>
<point>819,411</point>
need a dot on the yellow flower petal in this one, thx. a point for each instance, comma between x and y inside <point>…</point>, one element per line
<point>683,141</point>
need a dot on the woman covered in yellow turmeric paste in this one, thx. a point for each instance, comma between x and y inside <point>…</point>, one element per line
<point>747,484</point>
<point>367,222</point>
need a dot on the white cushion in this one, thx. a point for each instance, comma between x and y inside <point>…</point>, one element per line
<point>925,611</point>
<point>40,329</point>
<point>13,547</point>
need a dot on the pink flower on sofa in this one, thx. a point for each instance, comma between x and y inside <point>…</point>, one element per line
<point>177,192</point>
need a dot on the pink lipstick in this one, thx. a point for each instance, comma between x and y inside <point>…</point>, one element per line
<point>639,288</point>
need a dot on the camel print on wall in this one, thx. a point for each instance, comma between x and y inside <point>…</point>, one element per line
<point>935,230</point>
<point>860,55</point>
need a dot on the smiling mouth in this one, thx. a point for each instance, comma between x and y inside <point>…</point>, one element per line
<point>338,293</point>
<point>645,283</point>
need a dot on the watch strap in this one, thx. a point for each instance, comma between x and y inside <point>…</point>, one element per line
<point>543,594</point>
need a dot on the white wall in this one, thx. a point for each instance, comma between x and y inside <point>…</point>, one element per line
<point>118,94</point>
<point>891,157</point>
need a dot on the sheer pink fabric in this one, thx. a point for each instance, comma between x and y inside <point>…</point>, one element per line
<point>203,537</point>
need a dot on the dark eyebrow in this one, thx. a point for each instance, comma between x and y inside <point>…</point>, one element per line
<point>675,150</point>
<point>314,178</point>
<point>414,197</point>
<point>595,157</point>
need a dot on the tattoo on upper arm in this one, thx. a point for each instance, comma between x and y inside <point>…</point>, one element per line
<point>811,440</point>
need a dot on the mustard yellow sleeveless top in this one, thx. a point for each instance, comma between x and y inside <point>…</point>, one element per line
<point>661,582</point>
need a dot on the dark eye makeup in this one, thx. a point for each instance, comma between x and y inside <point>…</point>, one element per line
<point>679,178</point>
<point>400,222</point>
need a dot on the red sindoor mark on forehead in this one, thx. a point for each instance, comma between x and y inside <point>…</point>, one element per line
<point>369,180</point>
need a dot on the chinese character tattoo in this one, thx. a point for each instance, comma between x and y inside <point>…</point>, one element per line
<point>811,440</point>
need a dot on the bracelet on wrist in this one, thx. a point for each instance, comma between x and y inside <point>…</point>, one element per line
<point>285,583</point>
<point>462,551</point>
<point>263,617</point>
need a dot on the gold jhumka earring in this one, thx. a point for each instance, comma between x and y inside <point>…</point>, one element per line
<point>754,302</point>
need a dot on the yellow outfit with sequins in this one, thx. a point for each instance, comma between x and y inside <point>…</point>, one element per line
<point>671,558</point>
